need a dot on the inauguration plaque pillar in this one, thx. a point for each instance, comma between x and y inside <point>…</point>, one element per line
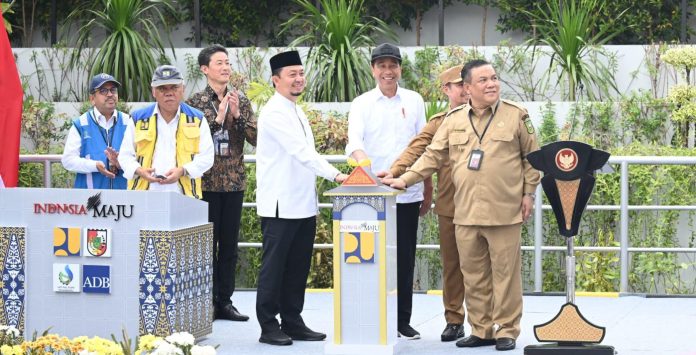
<point>364,257</point>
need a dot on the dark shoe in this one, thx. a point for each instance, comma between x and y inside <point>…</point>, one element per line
<point>452,332</point>
<point>408,332</point>
<point>472,341</point>
<point>230,312</point>
<point>303,333</point>
<point>276,337</point>
<point>504,344</point>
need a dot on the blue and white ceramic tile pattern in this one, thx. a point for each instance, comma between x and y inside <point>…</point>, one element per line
<point>12,246</point>
<point>176,281</point>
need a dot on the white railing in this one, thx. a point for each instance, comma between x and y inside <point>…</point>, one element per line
<point>538,248</point>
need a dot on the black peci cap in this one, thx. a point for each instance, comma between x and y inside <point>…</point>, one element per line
<point>285,59</point>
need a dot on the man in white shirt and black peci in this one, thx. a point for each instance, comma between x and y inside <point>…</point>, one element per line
<point>287,165</point>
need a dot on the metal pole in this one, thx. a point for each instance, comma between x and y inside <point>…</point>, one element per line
<point>47,173</point>
<point>623,231</point>
<point>54,25</point>
<point>570,272</point>
<point>197,22</point>
<point>441,23</point>
<point>538,241</point>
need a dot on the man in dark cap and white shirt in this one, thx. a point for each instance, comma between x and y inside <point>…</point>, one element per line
<point>287,165</point>
<point>167,146</point>
<point>381,123</point>
<point>94,140</point>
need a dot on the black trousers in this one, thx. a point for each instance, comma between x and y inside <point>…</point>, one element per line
<point>225,211</point>
<point>406,235</point>
<point>287,253</point>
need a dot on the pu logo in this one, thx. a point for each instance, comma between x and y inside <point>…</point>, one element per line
<point>66,241</point>
<point>359,247</point>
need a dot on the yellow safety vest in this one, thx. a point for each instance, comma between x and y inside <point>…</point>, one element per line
<point>188,134</point>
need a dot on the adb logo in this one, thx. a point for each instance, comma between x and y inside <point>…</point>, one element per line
<point>96,279</point>
<point>359,247</point>
<point>66,241</point>
<point>66,277</point>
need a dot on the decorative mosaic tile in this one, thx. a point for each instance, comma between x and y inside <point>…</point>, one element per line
<point>176,281</point>
<point>341,202</point>
<point>12,261</point>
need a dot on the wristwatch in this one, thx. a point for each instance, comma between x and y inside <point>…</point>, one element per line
<point>531,194</point>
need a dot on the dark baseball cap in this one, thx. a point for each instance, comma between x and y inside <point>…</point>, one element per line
<point>101,79</point>
<point>166,75</point>
<point>387,50</point>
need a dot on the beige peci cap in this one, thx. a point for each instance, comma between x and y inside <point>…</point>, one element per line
<point>451,75</point>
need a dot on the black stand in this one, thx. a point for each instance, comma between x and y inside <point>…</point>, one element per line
<point>569,347</point>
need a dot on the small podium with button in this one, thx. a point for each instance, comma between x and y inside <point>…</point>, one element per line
<point>364,259</point>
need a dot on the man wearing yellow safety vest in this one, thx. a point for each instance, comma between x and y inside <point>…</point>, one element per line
<point>167,146</point>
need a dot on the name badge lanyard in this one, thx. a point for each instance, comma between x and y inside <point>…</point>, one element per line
<point>220,142</point>
<point>108,139</point>
<point>476,157</point>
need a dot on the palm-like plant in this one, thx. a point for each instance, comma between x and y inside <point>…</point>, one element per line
<point>6,8</point>
<point>125,53</point>
<point>572,29</point>
<point>337,64</point>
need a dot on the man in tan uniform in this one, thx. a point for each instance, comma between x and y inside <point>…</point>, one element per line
<point>452,281</point>
<point>486,143</point>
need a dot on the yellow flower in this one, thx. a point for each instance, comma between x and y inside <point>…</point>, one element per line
<point>147,342</point>
<point>11,350</point>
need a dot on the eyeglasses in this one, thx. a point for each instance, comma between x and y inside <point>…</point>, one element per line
<point>105,91</point>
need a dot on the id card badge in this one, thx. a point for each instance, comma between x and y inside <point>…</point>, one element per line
<point>224,148</point>
<point>475,159</point>
<point>221,143</point>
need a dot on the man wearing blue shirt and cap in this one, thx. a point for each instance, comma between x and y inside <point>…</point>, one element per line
<point>94,140</point>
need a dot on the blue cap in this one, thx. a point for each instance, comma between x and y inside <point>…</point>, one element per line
<point>101,79</point>
<point>166,75</point>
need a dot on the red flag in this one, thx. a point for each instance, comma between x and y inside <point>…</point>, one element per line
<point>10,111</point>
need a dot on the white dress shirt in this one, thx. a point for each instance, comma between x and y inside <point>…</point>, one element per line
<point>71,159</point>
<point>383,127</point>
<point>164,157</point>
<point>287,162</point>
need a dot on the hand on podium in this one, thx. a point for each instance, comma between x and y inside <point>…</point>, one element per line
<point>385,174</point>
<point>340,178</point>
<point>395,183</point>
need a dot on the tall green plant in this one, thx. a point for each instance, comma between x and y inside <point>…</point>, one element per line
<point>6,8</point>
<point>572,30</point>
<point>127,51</point>
<point>339,35</point>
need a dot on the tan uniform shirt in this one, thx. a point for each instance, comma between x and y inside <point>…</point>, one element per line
<point>493,194</point>
<point>444,204</point>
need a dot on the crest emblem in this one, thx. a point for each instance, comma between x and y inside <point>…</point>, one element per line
<point>97,242</point>
<point>566,159</point>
